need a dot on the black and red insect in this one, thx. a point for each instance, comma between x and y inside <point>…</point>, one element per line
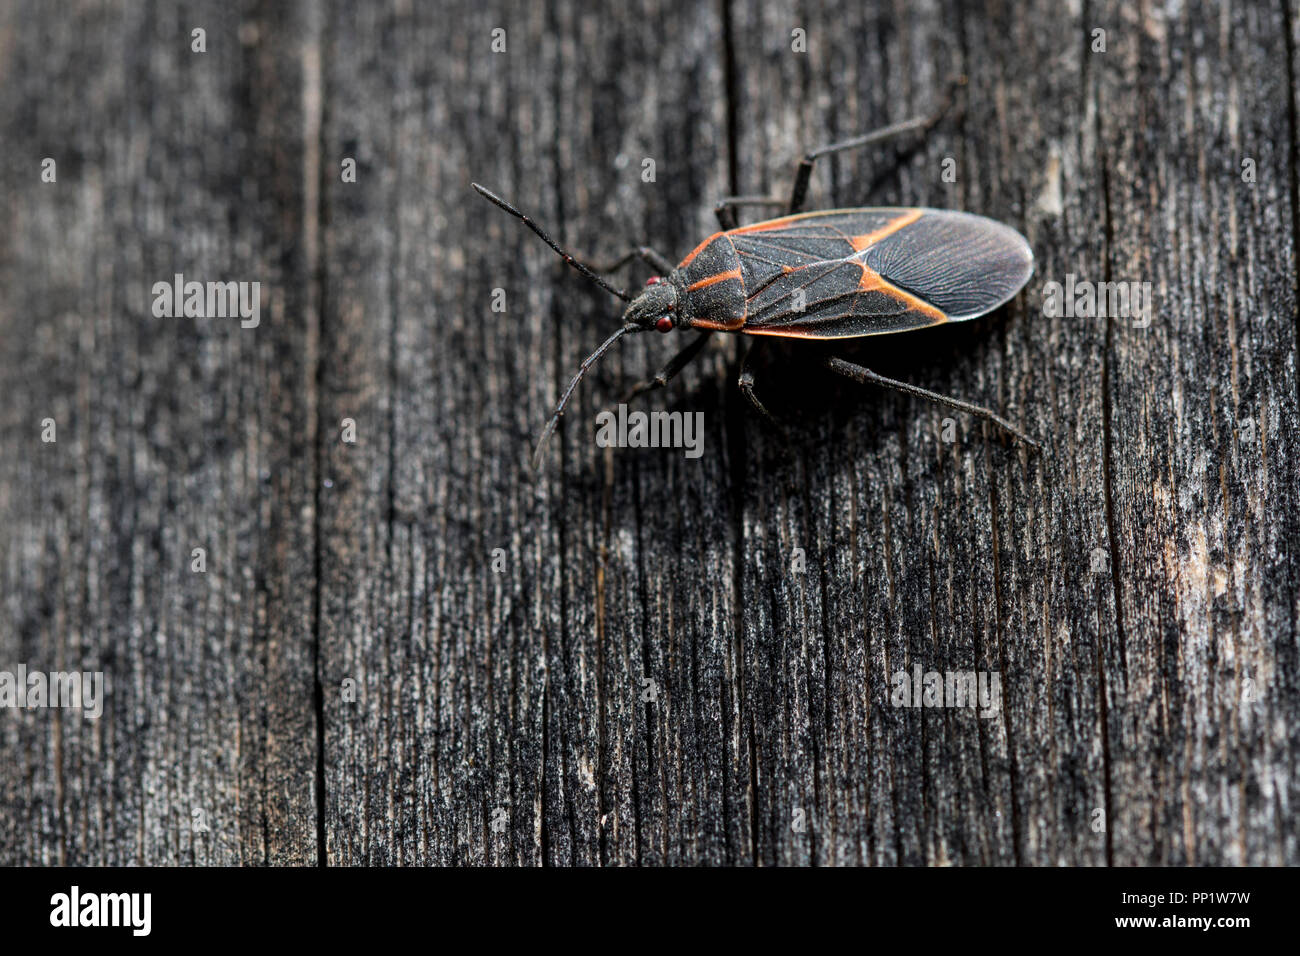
<point>837,274</point>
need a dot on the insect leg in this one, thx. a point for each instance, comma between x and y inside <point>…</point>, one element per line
<point>657,261</point>
<point>725,208</point>
<point>669,371</point>
<point>799,192</point>
<point>746,383</point>
<point>865,376</point>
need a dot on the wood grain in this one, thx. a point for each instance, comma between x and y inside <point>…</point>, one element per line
<point>669,660</point>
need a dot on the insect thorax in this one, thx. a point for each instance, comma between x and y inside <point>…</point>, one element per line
<point>713,291</point>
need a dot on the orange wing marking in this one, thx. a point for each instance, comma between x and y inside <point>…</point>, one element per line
<point>873,281</point>
<point>868,239</point>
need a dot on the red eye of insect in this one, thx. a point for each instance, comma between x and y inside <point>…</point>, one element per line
<point>653,280</point>
<point>665,324</point>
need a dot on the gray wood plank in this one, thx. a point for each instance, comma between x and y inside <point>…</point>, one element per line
<point>171,434</point>
<point>1123,690</point>
<point>518,692</point>
<point>650,676</point>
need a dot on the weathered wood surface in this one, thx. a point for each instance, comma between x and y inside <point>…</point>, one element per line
<point>1135,586</point>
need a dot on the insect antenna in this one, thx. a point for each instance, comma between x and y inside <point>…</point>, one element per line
<point>587,363</point>
<point>493,197</point>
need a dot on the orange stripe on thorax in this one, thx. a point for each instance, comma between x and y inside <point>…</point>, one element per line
<point>713,325</point>
<point>696,251</point>
<point>713,279</point>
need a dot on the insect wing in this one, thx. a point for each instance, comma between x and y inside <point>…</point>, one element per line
<point>846,273</point>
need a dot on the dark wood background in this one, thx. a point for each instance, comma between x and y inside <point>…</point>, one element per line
<point>1135,586</point>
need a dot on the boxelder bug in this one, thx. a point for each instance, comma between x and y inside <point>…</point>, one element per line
<point>837,274</point>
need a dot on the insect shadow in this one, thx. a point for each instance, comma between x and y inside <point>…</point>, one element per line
<point>809,406</point>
